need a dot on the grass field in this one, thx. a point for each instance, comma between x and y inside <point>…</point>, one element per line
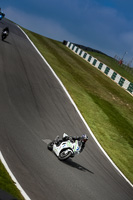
<point>106,107</point>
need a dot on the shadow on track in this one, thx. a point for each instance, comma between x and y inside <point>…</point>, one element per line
<point>77,166</point>
<point>5,41</point>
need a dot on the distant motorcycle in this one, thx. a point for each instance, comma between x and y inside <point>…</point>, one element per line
<point>5,33</point>
<point>66,149</point>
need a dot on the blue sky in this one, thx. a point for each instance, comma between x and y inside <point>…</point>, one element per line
<point>106,25</point>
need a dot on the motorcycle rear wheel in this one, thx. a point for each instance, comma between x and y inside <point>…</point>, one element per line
<point>3,36</point>
<point>64,156</point>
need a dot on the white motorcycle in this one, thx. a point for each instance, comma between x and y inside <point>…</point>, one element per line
<point>66,149</point>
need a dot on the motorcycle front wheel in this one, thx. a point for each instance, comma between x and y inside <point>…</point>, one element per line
<point>50,146</point>
<point>64,155</point>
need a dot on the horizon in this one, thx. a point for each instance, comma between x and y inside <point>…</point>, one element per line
<point>102,25</point>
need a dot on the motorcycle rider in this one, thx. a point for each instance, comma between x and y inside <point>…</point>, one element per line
<point>1,14</point>
<point>6,29</point>
<point>81,140</point>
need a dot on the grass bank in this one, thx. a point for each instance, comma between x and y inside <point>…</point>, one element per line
<point>106,107</point>
<point>6,183</point>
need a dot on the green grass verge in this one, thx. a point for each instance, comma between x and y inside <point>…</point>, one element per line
<point>106,107</point>
<point>6,183</point>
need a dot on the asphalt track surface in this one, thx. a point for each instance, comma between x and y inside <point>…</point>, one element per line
<point>34,107</point>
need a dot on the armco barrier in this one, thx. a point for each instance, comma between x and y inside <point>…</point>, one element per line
<point>121,81</point>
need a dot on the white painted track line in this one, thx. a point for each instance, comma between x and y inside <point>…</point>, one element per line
<point>13,178</point>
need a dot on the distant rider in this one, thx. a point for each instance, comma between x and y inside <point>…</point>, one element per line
<point>6,30</point>
<point>5,33</point>
<point>81,140</point>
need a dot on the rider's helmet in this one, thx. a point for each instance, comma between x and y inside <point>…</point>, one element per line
<point>6,29</point>
<point>84,138</point>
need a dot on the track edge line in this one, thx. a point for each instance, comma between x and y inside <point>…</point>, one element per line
<point>13,178</point>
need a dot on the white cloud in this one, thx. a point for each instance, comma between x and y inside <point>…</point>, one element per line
<point>99,27</point>
<point>43,26</point>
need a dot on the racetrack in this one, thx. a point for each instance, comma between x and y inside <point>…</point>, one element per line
<point>34,107</point>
